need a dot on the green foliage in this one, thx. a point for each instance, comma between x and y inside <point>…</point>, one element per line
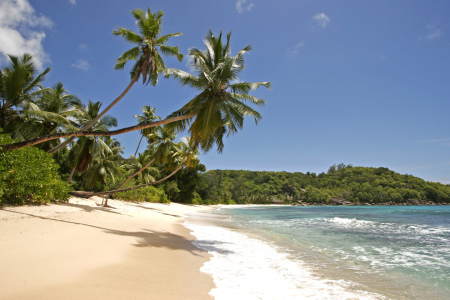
<point>353,184</point>
<point>220,107</point>
<point>146,194</point>
<point>29,175</point>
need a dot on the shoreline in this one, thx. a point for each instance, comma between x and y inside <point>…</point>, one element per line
<point>78,250</point>
<point>256,250</point>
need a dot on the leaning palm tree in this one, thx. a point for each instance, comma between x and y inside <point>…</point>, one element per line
<point>220,107</point>
<point>18,82</point>
<point>217,110</point>
<point>82,151</point>
<point>149,63</point>
<point>148,116</point>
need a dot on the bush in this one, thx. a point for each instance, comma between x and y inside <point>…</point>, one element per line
<point>29,175</point>
<point>147,194</point>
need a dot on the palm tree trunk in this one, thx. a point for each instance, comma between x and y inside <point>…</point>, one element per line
<point>138,186</point>
<point>35,141</point>
<point>89,125</point>
<point>142,169</point>
<point>138,145</point>
<point>71,174</point>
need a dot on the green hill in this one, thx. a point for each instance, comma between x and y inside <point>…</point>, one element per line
<point>342,184</point>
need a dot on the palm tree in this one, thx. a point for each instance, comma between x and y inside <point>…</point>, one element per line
<point>105,163</point>
<point>147,117</point>
<point>149,62</point>
<point>188,153</point>
<point>162,148</point>
<point>220,107</point>
<point>82,151</point>
<point>53,111</point>
<point>137,164</point>
<point>18,81</point>
<point>186,156</point>
<point>217,110</point>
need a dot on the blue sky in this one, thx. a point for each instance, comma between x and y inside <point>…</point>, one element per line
<point>360,82</point>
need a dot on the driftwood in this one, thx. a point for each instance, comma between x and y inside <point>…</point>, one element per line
<point>81,194</point>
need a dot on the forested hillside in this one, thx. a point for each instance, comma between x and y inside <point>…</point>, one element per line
<point>342,184</point>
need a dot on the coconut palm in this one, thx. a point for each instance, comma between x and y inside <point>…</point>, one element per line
<point>187,153</point>
<point>178,160</point>
<point>149,63</point>
<point>54,110</point>
<point>162,148</point>
<point>18,82</point>
<point>220,107</point>
<point>82,151</point>
<point>147,117</point>
<point>217,110</point>
<point>137,164</point>
<point>105,163</point>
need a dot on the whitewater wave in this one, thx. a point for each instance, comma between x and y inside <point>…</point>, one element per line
<point>248,268</point>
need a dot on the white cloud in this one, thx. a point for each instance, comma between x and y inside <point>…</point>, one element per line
<point>18,35</point>
<point>321,20</point>
<point>82,65</point>
<point>73,2</point>
<point>293,51</point>
<point>242,7</point>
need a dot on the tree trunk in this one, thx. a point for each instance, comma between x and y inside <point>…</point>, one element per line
<point>143,168</point>
<point>138,186</point>
<point>89,125</point>
<point>27,143</point>
<point>138,145</point>
<point>71,174</point>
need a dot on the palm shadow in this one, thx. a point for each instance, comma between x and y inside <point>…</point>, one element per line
<point>145,237</point>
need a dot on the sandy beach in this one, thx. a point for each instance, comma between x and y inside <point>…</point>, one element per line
<point>79,250</point>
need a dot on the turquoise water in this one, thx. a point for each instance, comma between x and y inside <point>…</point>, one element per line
<point>377,252</point>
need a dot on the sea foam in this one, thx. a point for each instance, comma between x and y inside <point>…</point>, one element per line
<point>245,267</point>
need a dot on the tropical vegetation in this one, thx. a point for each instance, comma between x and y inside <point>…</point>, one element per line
<point>82,155</point>
<point>342,184</point>
<point>52,143</point>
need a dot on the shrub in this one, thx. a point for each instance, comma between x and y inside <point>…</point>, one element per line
<point>147,194</point>
<point>29,175</point>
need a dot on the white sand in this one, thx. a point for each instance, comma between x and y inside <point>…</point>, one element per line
<point>79,250</point>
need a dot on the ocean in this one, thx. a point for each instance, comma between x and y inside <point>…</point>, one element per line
<point>326,252</point>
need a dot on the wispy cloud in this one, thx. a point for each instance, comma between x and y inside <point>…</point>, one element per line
<point>434,33</point>
<point>443,140</point>
<point>83,47</point>
<point>18,33</point>
<point>440,142</point>
<point>321,20</point>
<point>82,65</point>
<point>241,6</point>
<point>294,50</point>
<point>73,2</point>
